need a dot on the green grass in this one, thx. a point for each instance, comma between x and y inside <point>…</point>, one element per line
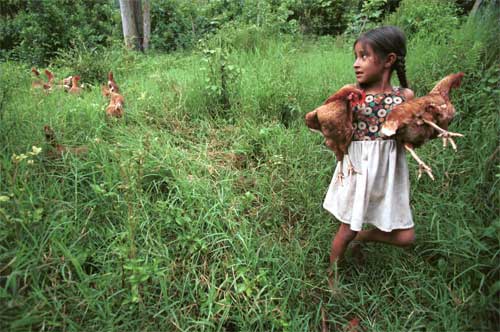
<point>184,216</point>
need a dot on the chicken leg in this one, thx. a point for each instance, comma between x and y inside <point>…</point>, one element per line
<point>350,167</point>
<point>422,167</point>
<point>340,175</point>
<point>445,135</point>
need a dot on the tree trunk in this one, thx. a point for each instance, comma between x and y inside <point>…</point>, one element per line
<point>137,7</point>
<point>476,6</point>
<point>130,32</point>
<point>146,12</point>
<point>136,23</point>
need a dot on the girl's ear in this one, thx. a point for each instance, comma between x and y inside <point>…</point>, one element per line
<point>390,60</point>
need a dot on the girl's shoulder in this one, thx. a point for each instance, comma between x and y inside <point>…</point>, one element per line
<point>406,93</point>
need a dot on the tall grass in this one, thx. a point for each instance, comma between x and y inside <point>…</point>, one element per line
<point>180,219</point>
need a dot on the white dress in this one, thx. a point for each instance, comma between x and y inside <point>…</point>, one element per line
<point>380,194</point>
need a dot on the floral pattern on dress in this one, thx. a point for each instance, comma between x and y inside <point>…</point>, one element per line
<point>370,114</point>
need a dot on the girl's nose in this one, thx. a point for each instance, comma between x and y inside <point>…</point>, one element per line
<point>355,64</point>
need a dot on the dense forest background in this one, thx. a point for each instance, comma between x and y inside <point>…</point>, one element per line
<point>200,209</point>
<point>38,31</point>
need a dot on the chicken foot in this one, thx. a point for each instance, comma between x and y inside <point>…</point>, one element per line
<point>340,175</point>
<point>350,167</point>
<point>350,170</point>
<point>422,167</point>
<point>445,135</point>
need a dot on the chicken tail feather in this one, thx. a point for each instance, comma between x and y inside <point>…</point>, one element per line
<point>446,84</point>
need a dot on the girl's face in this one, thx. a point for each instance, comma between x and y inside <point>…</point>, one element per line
<point>367,66</point>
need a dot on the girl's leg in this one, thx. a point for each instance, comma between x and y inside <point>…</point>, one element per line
<point>398,237</point>
<point>340,241</point>
<point>339,244</point>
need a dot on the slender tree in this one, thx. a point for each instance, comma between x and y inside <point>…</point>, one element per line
<point>136,23</point>
<point>146,14</point>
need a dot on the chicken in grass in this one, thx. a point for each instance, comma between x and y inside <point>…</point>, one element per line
<point>50,78</point>
<point>75,89</point>
<point>63,84</point>
<point>334,120</point>
<point>66,83</point>
<point>59,149</point>
<point>116,103</point>
<point>112,86</point>
<point>39,83</point>
<point>419,120</point>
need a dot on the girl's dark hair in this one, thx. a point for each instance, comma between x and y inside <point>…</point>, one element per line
<point>385,40</point>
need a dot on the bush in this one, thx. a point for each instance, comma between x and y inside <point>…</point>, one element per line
<point>36,30</point>
<point>320,17</point>
<point>434,19</point>
<point>473,49</point>
<point>176,24</point>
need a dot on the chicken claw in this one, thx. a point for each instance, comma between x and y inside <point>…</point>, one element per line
<point>350,167</point>
<point>422,167</point>
<point>445,135</point>
<point>340,175</point>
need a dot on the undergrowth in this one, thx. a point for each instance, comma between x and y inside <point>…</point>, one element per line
<point>181,218</point>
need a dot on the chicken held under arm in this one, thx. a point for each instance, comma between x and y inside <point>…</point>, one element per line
<point>419,120</point>
<point>334,120</point>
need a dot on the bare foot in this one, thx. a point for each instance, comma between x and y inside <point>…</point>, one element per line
<point>333,280</point>
<point>357,252</point>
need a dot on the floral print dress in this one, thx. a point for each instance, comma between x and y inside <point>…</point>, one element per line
<point>380,193</point>
<point>370,115</point>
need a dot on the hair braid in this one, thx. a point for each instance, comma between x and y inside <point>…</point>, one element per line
<point>400,66</point>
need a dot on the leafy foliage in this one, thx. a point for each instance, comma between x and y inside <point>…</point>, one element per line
<point>182,218</point>
<point>434,18</point>
<point>35,30</point>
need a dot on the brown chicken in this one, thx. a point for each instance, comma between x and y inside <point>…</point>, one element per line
<point>75,89</point>
<point>50,77</point>
<point>60,149</point>
<point>415,122</point>
<point>113,87</point>
<point>39,83</point>
<point>66,83</point>
<point>116,103</point>
<point>334,120</point>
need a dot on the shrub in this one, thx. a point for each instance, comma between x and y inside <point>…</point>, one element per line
<point>176,24</point>
<point>35,30</point>
<point>92,64</point>
<point>434,19</point>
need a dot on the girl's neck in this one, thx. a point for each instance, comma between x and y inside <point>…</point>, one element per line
<point>377,87</point>
<point>382,85</point>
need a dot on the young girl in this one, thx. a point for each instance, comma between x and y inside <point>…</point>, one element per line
<point>379,193</point>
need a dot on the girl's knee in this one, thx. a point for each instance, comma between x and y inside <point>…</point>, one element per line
<point>346,233</point>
